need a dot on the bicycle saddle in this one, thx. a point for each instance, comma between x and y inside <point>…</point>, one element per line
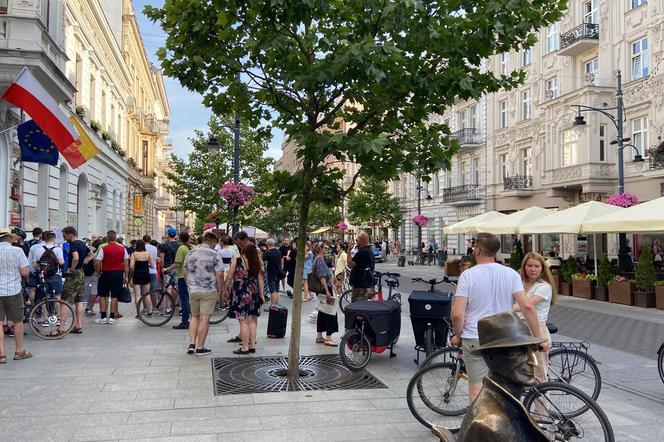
<point>552,327</point>
<point>392,281</point>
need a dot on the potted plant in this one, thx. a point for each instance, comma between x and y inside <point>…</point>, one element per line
<point>583,285</point>
<point>604,275</point>
<point>659,294</point>
<point>453,268</point>
<point>645,278</point>
<point>621,290</point>
<point>517,254</point>
<point>94,125</point>
<point>80,111</point>
<point>569,268</point>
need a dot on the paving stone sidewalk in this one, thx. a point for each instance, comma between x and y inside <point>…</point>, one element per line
<point>132,382</point>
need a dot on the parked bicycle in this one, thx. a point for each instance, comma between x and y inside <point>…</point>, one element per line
<point>392,282</point>
<point>660,362</point>
<point>51,317</point>
<point>162,306</point>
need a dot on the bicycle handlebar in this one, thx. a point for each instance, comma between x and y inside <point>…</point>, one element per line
<point>434,281</point>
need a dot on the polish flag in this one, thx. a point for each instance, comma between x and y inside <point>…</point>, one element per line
<point>28,94</point>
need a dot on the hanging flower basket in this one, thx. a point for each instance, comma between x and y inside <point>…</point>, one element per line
<point>236,194</point>
<point>208,226</point>
<point>342,226</point>
<point>623,200</point>
<point>420,220</point>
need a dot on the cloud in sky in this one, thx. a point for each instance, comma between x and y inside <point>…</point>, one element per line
<point>187,110</point>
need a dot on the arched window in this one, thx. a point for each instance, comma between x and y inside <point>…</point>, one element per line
<point>82,198</point>
<point>102,219</point>
<point>63,197</point>
<point>436,185</point>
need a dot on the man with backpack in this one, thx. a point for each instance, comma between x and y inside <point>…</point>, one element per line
<point>48,258</point>
<point>112,262</point>
<point>33,277</point>
<point>74,286</point>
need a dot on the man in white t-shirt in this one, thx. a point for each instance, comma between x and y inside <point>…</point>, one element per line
<point>485,289</point>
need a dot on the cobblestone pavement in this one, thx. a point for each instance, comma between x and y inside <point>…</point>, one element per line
<point>132,382</point>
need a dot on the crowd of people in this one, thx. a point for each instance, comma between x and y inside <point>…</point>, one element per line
<point>212,269</point>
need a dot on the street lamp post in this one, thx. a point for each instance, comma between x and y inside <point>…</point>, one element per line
<point>419,212</point>
<point>623,253</point>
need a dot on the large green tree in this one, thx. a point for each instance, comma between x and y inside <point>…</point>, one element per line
<point>196,179</point>
<point>371,202</point>
<point>351,80</point>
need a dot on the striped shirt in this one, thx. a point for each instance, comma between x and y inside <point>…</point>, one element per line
<point>12,260</point>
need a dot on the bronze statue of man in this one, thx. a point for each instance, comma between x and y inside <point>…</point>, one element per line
<point>497,414</point>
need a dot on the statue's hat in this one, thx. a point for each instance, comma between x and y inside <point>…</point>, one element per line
<point>505,330</point>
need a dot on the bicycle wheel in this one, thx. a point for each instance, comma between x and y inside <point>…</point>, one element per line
<point>219,314</point>
<point>556,406</point>
<point>660,364</point>
<point>445,354</point>
<point>438,395</point>
<point>428,340</point>
<point>344,300</point>
<point>159,313</point>
<point>51,319</point>
<point>577,368</point>
<point>355,349</point>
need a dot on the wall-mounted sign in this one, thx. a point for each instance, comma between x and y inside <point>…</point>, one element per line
<point>138,203</point>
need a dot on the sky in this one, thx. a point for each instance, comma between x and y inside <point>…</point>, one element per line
<point>187,110</point>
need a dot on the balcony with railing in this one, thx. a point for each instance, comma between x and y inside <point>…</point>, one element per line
<point>656,162</point>
<point>522,185</point>
<point>467,137</point>
<point>462,195</point>
<point>579,39</point>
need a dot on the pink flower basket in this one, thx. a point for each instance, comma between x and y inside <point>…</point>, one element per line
<point>342,226</point>
<point>420,220</point>
<point>236,194</point>
<point>623,200</point>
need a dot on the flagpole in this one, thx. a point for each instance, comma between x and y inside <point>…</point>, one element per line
<point>8,129</point>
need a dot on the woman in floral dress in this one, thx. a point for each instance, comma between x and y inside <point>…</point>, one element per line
<point>246,276</point>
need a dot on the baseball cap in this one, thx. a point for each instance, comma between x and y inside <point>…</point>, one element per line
<point>5,232</point>
<point>171,231</point>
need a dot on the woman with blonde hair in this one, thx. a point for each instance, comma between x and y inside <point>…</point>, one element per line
<point>539,285</point>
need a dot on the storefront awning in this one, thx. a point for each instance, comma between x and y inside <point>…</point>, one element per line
<point>321,229</point>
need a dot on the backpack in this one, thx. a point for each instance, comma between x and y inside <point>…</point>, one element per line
<point>48,262</point>
<point>89,267</point>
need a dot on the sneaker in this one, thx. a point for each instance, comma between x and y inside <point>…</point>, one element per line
<point>112,321</point>
<point>203,351</point>
<point>191,349</point>
<point>181,327</point>
<point>101,321</point>
<point>118,315</point>
<point>267,307</point>
<point>89,312</point>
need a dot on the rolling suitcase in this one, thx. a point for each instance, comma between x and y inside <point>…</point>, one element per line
<point>402,261</point>
<point>277,320</point>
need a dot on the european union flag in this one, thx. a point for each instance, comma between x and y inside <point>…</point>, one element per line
<point>36,146</point>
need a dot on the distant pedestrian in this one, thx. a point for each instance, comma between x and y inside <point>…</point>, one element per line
<point>273,260</point>
<point>340,268</point>
<point>91,278</point>
<point>246,278</point>
<point>204,274</point>
<point>362,263</point>
<point>48,258</point>
<point>14,267</point>
<point>308,265</point>
<point>167,251</point>
<point>154,273</point>
<point>112,263</point>
<point>140,264</point>
<point>74,286</point>
<point>183,291</point>
<point>33,278</point>
<point>285,251</point>
<point>397,248</point>
<point>325,323</point>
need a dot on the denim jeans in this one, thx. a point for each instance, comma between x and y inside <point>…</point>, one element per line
<point>183,292</point>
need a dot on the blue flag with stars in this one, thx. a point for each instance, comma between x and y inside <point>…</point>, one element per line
<point>36,146</point>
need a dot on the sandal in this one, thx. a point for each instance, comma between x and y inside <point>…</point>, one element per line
<point>3,359</point>
<point>235,339</point>
<point>55,333</point>
<point>320,340</point>
<point>239,351</point>
<point>330,343</point>
<point>77,331</point>
<point>22,355</point>
<point>307,299</point>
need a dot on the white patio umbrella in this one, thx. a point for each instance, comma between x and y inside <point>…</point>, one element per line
<point>511,224</point>
<point>468,225</point>
<point>571,221</point>
<point>642,218</point>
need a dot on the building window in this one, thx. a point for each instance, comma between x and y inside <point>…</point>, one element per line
<point>503,166</point>
<point>640,134</point>
<point>526,57</point>
<point>637,3</point>
<point>472,116</point>
<point>462,119</point>
<point>93,94</point>
<point>476,171</point>
<point>551,91</point>
<point>590,13</point>
<point>592,72</point>
<point>45,12</point>
<point>640,58</point>
<point>462,173</point>
<point>448,179</point>
<point>526,105</point>
<point>569,148</point>
<point>436,185</point>
<point>145,157</point>
<point>602,142</point>
<point>526,165</point>
<point>552,39</point>
<point>103,122</point>
<point>504,63</point>
<point>504,114</point>
<point>3,6</point>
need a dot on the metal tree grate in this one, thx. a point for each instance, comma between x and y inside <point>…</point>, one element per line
<point>268,374</point>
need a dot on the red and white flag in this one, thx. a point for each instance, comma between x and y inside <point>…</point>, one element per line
<point>28,94</point>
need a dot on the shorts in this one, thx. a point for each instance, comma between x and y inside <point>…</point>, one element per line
<point>475,366</point>
<point>53,284</point>
<point>110,283</point>
<point>154,283</point>
<point>361,294</point>
<point>33,279</point>
<point>273,284</point>
<point>11,308</point>
<point>74,286</point>
<point>202,303</point>
<point>91,284</point>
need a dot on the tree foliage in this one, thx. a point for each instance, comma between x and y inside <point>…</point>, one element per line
<point>604,271</point>
<point>645,275</point>
<point>516,257</point>
<point>372,202</point>
<point>196,180</point>
<point>354,81</point>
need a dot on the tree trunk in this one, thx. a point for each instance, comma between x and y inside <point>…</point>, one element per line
<point>296,318</point>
